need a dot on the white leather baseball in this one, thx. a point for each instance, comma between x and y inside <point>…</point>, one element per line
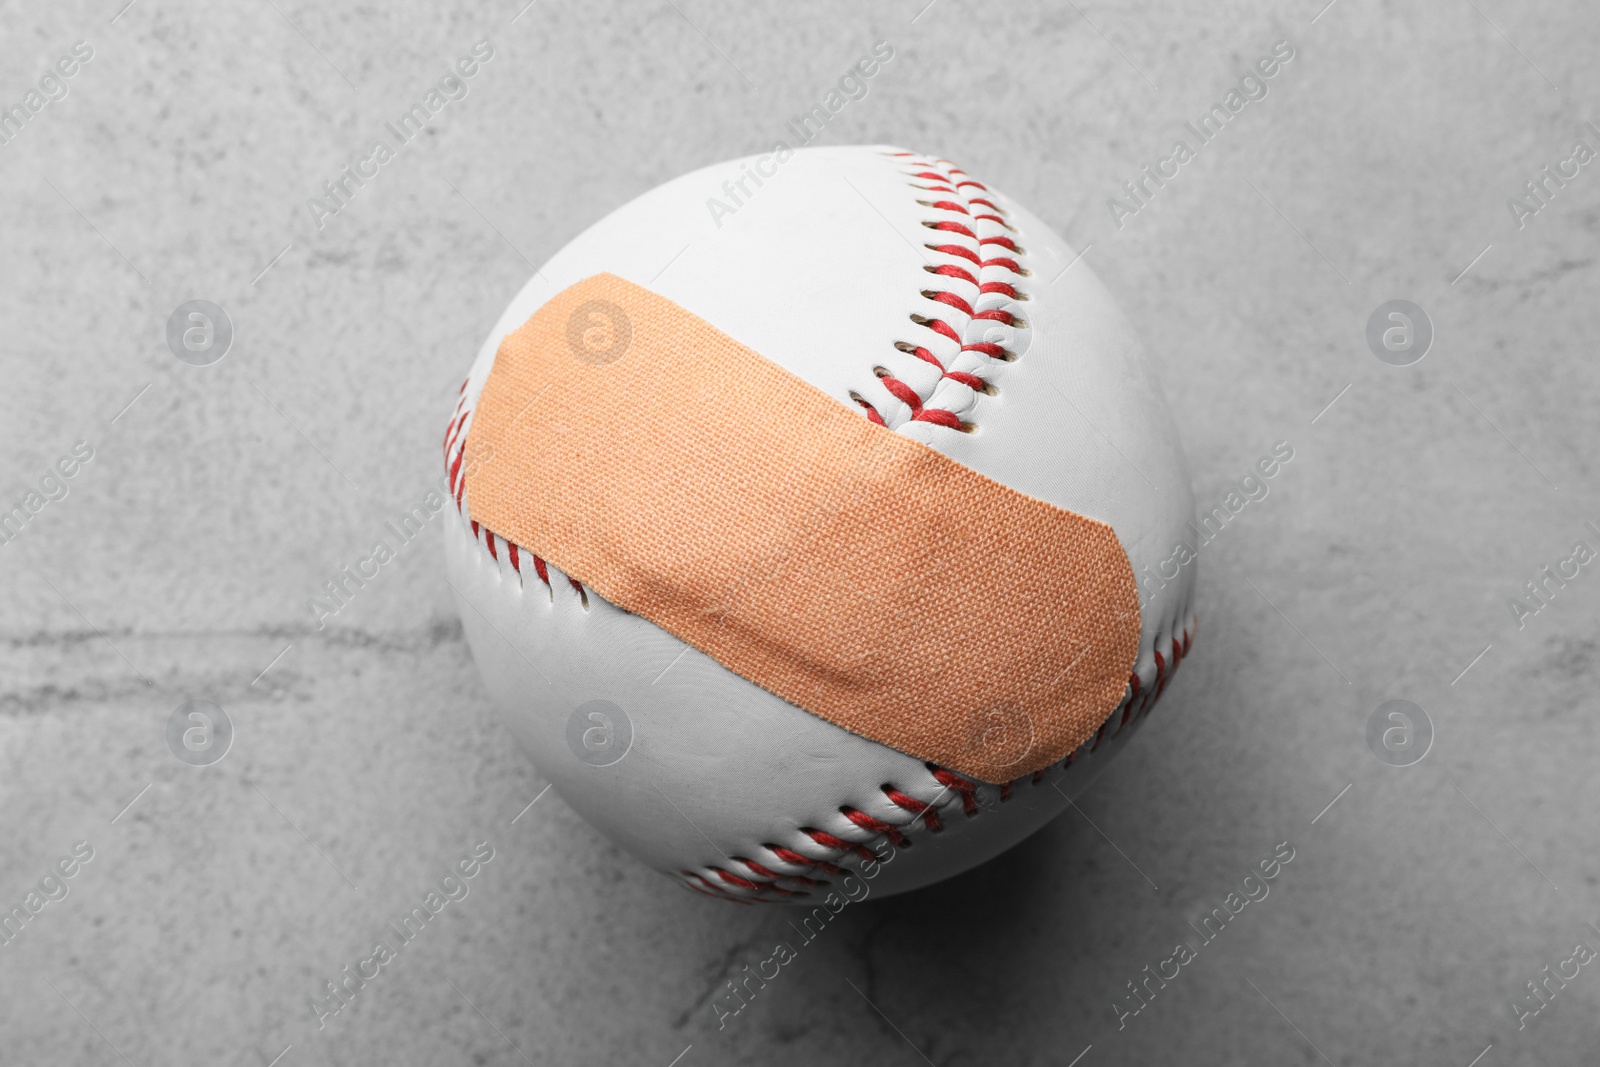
<point>822,268</point>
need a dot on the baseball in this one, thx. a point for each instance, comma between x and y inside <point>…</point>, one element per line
<point>816,520</point>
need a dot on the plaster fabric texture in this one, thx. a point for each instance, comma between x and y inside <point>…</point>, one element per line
<point>825,558</point>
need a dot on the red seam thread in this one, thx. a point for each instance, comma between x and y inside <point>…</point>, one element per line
<point>710,890</point>
<point>928,813</point>
<point>1138,696</point>
<point>950,300</point>
<point>876,826</point>
<point>958,250</point>
<point>457,482</point>
<point>967,790</point>
<point>789,855</point>
<point>838,844</point>
<point>950,270</point>
<point>904,391</point>
<point>765,873</point>
<point>759,887</point>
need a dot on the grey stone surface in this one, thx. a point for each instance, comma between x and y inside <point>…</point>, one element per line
<point>366,760</point>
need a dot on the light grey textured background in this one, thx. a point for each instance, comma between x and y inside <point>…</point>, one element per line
<point>366,759</point>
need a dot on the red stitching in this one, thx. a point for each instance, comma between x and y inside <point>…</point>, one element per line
<point>875,826</point>
<point>872,412</point>
<point>745,883</point>
<point>790,856</point>
<point>988,348</point>
<point>951,180</point>
<point>766,873</point>
<point>967,790</point>
<point>734,879</point>
<point>1127,709</point>
<point>838,844</point>
<point>971,381</point>
<point>950,270</point>
<point>938,326</point>
<point>951,227</point>
<point>957,250</point>
<point>709,889</point>
<point>927,812</point>
<point>767,881</point>
<point>456,443</point>
<point>1099,736</point>
<point>903,392</point>
<point>949,299</point>
<point>940,417</point>
<point>909,396</point>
